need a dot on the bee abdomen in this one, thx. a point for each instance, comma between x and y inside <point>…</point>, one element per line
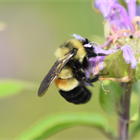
<point>78,95</point>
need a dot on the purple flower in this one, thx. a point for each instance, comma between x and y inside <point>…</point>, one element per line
<point>124,28</point>
<point>78,37</point>
<point>95,63</point>
<point>129,57</point>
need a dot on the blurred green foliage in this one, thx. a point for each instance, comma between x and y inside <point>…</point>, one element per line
<point>30,32</point>
<point>33,31</point>
<point>9,87</point>
<point>58,122</point>
<point>110,102</point>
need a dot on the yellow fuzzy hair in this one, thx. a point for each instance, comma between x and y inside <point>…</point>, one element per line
<point>62,51</point>
<point>66,84</point>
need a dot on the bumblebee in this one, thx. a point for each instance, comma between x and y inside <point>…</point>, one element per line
<point>68,72</point>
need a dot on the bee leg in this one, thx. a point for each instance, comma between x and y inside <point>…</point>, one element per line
<point>101,54</point>
<point>95,78</point>
<point>95,54</point>
<point>80,76</point>
<point>87,81</point>
<point>101,74</point>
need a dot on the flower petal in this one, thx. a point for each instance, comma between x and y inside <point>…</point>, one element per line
<point>97,63</point>
<point>125,54</point>
<point>129,56</point>
<point>132,57</point>
<point>102,5</point>
<point>138,10</point>
<point>78,37</point>
<point>100,50</point>
<point>123,20</point>
<point>131,4</point>
<point>101,62</point>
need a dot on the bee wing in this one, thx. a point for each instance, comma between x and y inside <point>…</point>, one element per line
<point>54,72</point>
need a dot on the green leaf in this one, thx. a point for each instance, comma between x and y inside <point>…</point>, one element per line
<point>134,111</point>
<point>136,127</point>
<point>9,87</point>
<point>110,102</point>
<point>118,69</point>
<point>137,72</point>
<point>58,122</point>
<point>135,117</point>
<point>106,28</point>
<point>136,88</point>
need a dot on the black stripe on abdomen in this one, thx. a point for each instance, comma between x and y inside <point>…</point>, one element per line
<point>78,95</point>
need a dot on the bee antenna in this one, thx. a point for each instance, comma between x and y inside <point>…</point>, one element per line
<point>94,43</point>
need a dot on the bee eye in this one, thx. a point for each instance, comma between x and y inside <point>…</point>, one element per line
<point>75,50</point>
<point>131,36</point>
<point>86,41</point>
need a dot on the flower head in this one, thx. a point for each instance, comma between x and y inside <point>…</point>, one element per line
<point>124,29</point>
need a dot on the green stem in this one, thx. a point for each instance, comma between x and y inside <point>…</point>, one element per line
<point>125,103</point>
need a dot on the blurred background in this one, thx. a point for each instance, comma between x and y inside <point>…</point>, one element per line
<point>30,32</point>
